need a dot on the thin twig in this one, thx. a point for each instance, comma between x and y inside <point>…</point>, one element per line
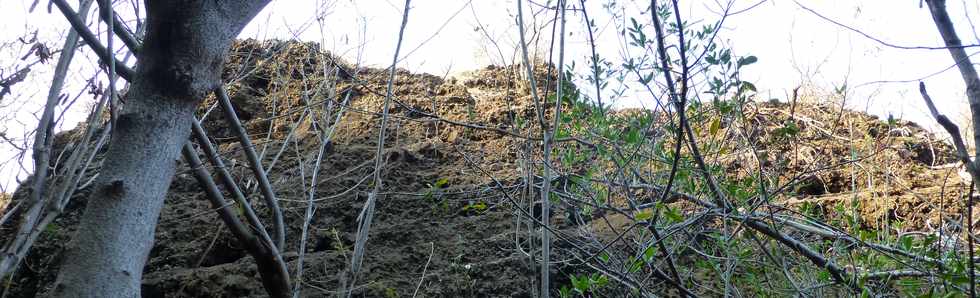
<point>595,58</point>
<point>679,98</point>
<point>367,214</point>
<point>971,167</point>
<point>91,40</point>
<point>424,268</point>
<point>310,208</point>
<point>546,160</point>
<point>882,42</point>
<point>116,26</point>
<point>43,138</point>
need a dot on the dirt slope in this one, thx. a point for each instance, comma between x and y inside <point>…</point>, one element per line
<point>442,215</point>
<point>469,251</point>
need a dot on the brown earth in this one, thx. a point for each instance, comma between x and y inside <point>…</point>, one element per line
<point>891,173</point>
<point>417,226</point>
<point>443,226</point>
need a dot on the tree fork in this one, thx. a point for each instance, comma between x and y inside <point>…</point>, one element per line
<point>179,63</point>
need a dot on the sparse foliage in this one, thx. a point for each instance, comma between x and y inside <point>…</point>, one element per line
<point>708,191</point>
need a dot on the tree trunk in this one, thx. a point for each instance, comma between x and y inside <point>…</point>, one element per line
<point>179,63</point>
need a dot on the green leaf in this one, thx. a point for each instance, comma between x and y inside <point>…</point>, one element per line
<point>823,275</point>
<point>478,206</point>
<point>604,257</point>
<point>633,137</point>
<point>648,254</point>
<point>601,281</point>
<point>747,60</point>
<point>636,266</point>
<point>715,126</point>
<point>673,215</point>
<point>644,215</point>
<point>646,80</point>
<point>906,242</point>
<point>561,134</point>
<point>564,292</point>
<point>581,284</point>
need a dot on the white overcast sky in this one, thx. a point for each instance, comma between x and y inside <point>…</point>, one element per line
<point>443,36</point>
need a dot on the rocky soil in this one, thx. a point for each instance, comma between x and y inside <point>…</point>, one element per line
<point>443,227</point>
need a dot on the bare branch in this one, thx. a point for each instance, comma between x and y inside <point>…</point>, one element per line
<point>117,27</point>
<point>969,73</point>
<point>43,138</point>
<point>367,214</point>
<point>275,277</point>
<point>256,165</point>
<point>949,126</point>
<point>93,42</point>
<point>882,42</point>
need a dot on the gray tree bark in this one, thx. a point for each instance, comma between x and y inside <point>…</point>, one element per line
<point>937,8</point>
<point>946,29</point>
<point>179,63</point>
